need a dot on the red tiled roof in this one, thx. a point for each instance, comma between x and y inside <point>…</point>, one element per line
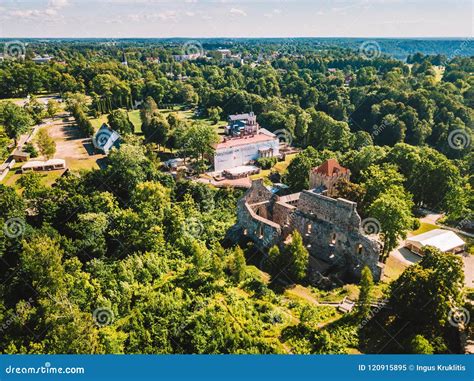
<point>330,168</point>
<point>250,139</point>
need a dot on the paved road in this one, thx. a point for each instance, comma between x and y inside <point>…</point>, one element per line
<point>469,270</point>
<point>404,255</point>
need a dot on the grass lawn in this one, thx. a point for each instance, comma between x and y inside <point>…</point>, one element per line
<point>97,122</point>
<point>11,100</point>
<point>424,227</point>
<point>393,269</point>
<point>183,114</point>
<point>47,178</point>
<point>189,115</point>
<point>136,121</point>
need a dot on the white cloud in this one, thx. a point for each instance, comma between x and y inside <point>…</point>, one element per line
<point>167,15</point>
<point>274,12</point>
<point>57,4</point>
<point>50,12</point>
<point>237,11</point>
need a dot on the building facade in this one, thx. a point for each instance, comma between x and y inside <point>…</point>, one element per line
<point>235,152</point>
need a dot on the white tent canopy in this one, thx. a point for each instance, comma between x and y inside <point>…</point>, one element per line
<point>444,240</point>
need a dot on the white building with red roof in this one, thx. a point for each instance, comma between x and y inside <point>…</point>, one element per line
<point>238,151</point>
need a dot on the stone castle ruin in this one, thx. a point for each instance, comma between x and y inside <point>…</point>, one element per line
<point>330,228</point>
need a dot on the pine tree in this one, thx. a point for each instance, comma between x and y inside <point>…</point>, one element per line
<point>366,286</point>
<point>238,265</point>
<point>299,257</point>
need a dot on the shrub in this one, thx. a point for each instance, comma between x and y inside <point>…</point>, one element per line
<point>30,148</point>
<point>267,162</point>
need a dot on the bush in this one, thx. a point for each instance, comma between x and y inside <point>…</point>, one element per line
<point>416,224</point>
<point>267,162</point>
<point>30,148</point>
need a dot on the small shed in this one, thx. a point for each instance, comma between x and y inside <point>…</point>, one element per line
<point>445,240</point>
<point>20,156</point>
<point>48,165</point>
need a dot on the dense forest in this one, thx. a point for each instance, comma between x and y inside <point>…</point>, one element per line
<point>128,259</point>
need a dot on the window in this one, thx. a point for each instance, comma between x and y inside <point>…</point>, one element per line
<point>308,228</point>
<point>359,249</point>
<point>333,241</point>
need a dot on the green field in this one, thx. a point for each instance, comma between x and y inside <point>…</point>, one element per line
<point>136,121</point>
<point>279,167</point>
<point>424,227</point>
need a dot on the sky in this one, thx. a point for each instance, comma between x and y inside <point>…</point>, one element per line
<point>244,18</point>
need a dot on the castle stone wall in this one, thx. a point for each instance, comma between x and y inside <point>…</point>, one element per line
<point>330,228</point>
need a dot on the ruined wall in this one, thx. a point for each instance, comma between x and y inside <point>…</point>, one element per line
<point>347,250</point>
<point>282,212</point>
<point>254,212</point>
<point>330,228</point>
<point>335,211</point>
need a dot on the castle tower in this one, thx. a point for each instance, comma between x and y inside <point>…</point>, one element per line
<point>325,177</point>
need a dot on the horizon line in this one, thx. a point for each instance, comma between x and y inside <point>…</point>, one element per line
<point>247,37</point>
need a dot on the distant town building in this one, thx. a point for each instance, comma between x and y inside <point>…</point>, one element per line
<point>186,57</point>
<point>444,240</point>
<point>154,60</point>
<point>42,59</point>
<point>124,59</point>
<point>225,52</point>
<point>327,175</point>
